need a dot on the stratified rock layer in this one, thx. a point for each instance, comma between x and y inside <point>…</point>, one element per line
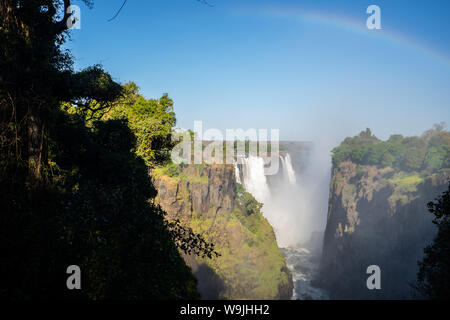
<point>207,198</point>
<point>377,217</point>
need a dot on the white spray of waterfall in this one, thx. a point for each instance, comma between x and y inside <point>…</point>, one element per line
<point>280,204</point>
<point>283,164</point>
<point>289,170</point>
<point>254,179</point>
<point>294,203</point>
<point>237,173</point>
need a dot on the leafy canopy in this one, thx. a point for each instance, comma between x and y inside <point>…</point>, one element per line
<point>428,153</point>
<point>433,279</point>
<point>151,120</point>
<point>72,188</point>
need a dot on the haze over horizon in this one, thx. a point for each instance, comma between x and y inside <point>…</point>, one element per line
<point>309,68</point>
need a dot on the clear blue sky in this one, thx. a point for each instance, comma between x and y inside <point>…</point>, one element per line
<point>307,67</point>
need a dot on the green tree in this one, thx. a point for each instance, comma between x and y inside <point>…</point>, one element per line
<point>433,277</point>
<point>387,159</point>
<point>414,156</point>
<point>430,152</point>
<point>72,189</point>
<point>105,222</point>
<point>151,120</point>
<point>436,158</point>
<point>396,148</point>
<point>247,202</point>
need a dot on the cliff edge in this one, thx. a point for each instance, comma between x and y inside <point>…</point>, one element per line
<point>377,211</point>
<point>208,199</point>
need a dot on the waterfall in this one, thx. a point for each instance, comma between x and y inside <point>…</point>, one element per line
<point>254,179</point>
<point>280,198</point>
<point>290,204</point>
<point>283,166</point>
<point>289,170</point>
<point>237,173</point>
<point>289,198</point>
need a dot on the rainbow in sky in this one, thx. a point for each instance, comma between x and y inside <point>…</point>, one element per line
<point>350,25</point>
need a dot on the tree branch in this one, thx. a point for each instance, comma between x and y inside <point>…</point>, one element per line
<point>205,2</point>
<point>117,13</point>
<point>125,1</point>
<point>62,25</point>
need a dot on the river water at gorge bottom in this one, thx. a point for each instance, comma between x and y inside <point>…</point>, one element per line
<point>304,266</point>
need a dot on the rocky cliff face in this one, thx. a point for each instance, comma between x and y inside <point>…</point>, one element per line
<point>209,190</point>
<point>377,217</point>
<point>208,199</point>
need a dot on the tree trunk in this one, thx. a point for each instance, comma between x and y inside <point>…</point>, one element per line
<point>35,146</point>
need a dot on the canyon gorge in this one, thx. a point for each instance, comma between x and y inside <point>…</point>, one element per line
<point>309,231</point>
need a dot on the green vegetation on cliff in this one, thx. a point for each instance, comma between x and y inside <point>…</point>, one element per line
<point>253,265</point>
<point>378,193</point>
<point>427,153</point>
<point>207,199</point>
<point>367,164</point>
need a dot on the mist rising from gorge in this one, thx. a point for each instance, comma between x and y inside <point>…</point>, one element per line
<point>295,200</point>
